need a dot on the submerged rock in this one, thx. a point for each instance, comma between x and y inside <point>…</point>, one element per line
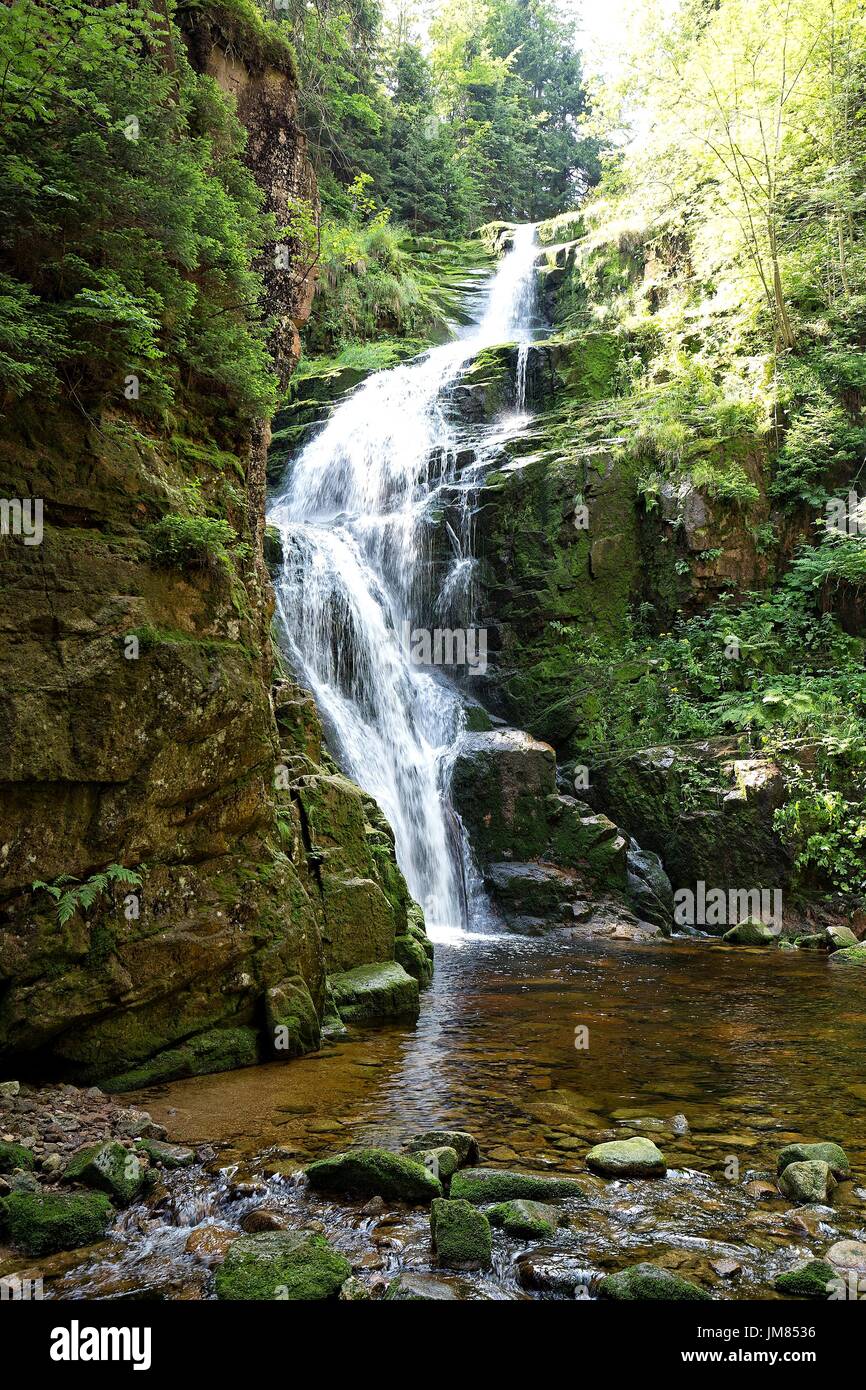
<point>460,1235</point>
<point>525,1218</point>
<point>410,1287</point>
<point>379,991</point>
<point>111,1167</point>
<point>554,1271</point>
<point>281,1265</point>
<point>806,1182</point>
<point>850,955</point>
<point>44,1222</point>
<point>650,1282</point>
<point>829,1153</point>
<point>627,1158</point>
<point>813,1280</point>
<point>464,1145</point>
<point>480,1185</point>
<point>375,1172</point>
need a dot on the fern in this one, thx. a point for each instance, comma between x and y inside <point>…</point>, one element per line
<point>82,896</point>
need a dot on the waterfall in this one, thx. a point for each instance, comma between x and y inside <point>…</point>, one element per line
<point>355,514</point>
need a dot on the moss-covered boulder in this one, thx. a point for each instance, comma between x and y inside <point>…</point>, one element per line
<point>649,1282</point>
<point>816,1279</point>
<point>375,992</point>
<point>840,938</point>
<point>499,785</point>
<point>14,1156</point>
<point>482,1185</point>
<point>850,955</point>
<point>525,1219</point>
<point>460,1235</point>
<point>750,933</point>
<point>43,1222</point>
<point>409,1287</point>
<point>464,1144</point>
<point>283,1265</point>
<point>165,1155</point>
<point>627,1158</point>
<point>807,1182</point>
<point>219,1049</point>
<point>375,1172</point>
<point>291,1022</point>
<point>832,1154</point>
<point>110,1167</point>
<point>442,1162</point>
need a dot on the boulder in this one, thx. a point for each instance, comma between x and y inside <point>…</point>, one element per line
<point>416,1288</point>
<point>526,1219</point>
<point>649,1282</point>
<point>460,1235</point>
<point>463,1144</point>
<point>627,1158</point>
<point>831,1154</point>
<point>44,1222</point>
<point>750,933</point>
<point>499,785</point>
<point>813,1280</point>
<point>284,1265</point>
<point>375,992</point>
<point>807,1182</point>
<point>375,1172</point>
<point>850,955</point>
<point>291,1021</point>
<point>548,1270</point>
<point>650,888</point>
<point>840,938</point>
<point>847,1256</point>
<point>481,1185</point>
<point>166,1155</point>
<point>110,1167</point>
<point>441,1162</point>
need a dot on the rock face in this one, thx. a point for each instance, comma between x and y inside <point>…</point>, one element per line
<point>141,732</point>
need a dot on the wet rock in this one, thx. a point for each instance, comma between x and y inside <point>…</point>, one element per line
<point>14,1156</point>
<point>848,1255</point>
<point>761,1190</point>
<point>262,1219</point>
<point>627,1158</point>
<point>750,933</point>
<point>554,1271</point>
<point>291,1021</point>
<point>374,1207</point>
<point>375,992</point>
<point>840,938</point>
<point>850,955</point>
<point>831,1154</point>
<point>807,1182</point>
<point>354,1291</point>
<point>110,1167</point>
<point>442,1162</point>
<point>166,1155</point>
<point>526,1219</point>
<point>480,1185</point>
<point>210,1243</point>
<point>646,1282</point>
<point>813,1280</point>
<point>375,1172</point>
<point>650,888</point>
<point>463,1144</point>
<point>460,1235</point>
<point>285,1265</point>
<point>9,1090</point>
<point>409,1287</point>
<point>44,1222</point>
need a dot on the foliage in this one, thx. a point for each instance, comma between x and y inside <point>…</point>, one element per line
<point>192,540</point>
<point>81,896</point>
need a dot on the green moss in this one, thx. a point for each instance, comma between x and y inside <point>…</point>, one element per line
<point>525,1219</point>
<point>379,991</point>
<point>850,955</point>
<point>240,29</point>
<point>480,1185</point>
<point>832,1154</point>
<point>375,1172</point>
<point>108,1166</point>
<point>813,1280</point>
<point>43,1222</point>
<point>14,1156</point>
<point>283,1265</point>
<point>219,1049</point>
<point>460,1235</point>
<point>648,1282</point>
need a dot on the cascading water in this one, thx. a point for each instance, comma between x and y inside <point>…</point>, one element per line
<point>355,515</point>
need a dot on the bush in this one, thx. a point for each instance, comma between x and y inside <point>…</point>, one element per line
<point>191,540</point>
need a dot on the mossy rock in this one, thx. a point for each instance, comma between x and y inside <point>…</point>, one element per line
<point>627,1158</point>
<point>111,1167</point>
<point>165,1155</point>
<point>482,1185</point>
<point>415,960</point>
<point>375,1173</point>
<point>832,1154</point>
<point>42,1223</point>
<point>14,1156</point>
<point>284,1265</point>
<point>649,1283</point>
<point>525,1219</point>
<point>218,1049</point>
<point>807,1182</point>
<point>749,933</point>
<point>409,1287</point>
<point>291,1020</point>
<point>442,1162</point>
<point>465,1145</point>
<point>460,1235</point>
<point>850,955</point>
<point>372,992</point>
<point>813,1280</point>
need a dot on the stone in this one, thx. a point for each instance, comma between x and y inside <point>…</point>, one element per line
<point>816,1279</point>
<point>375,992</point>
<point>831,1154</point>
<point>291,1021</point>
<point>9,1090</point>
<point>210,1243</point>
<point>166,1155</point>
<point>840,938</point>
<point>463,1144</point>
<point>375,1172</point>
<point>14,1156</point>
<point>848,1255</point>
<point>649,1282</point>
<point>283,1265</point>
<point>554,1271</point>
<point>526,1219</point>
<point>44,1222</point>
<point>460,1235</point>
<point>649,888</point>
<point>354,1291</point>
<point>261,1219</point>
<point>627,1158</point>
<point>110,1167</point>
<point>807,1182</point>
<point>415,1288</point>
<point>850,955</point>
<point>442,1162</point>
<point>481,1185</point>
<point>750,933</point>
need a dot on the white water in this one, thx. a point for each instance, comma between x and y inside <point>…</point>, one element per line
<point>355,518</point>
